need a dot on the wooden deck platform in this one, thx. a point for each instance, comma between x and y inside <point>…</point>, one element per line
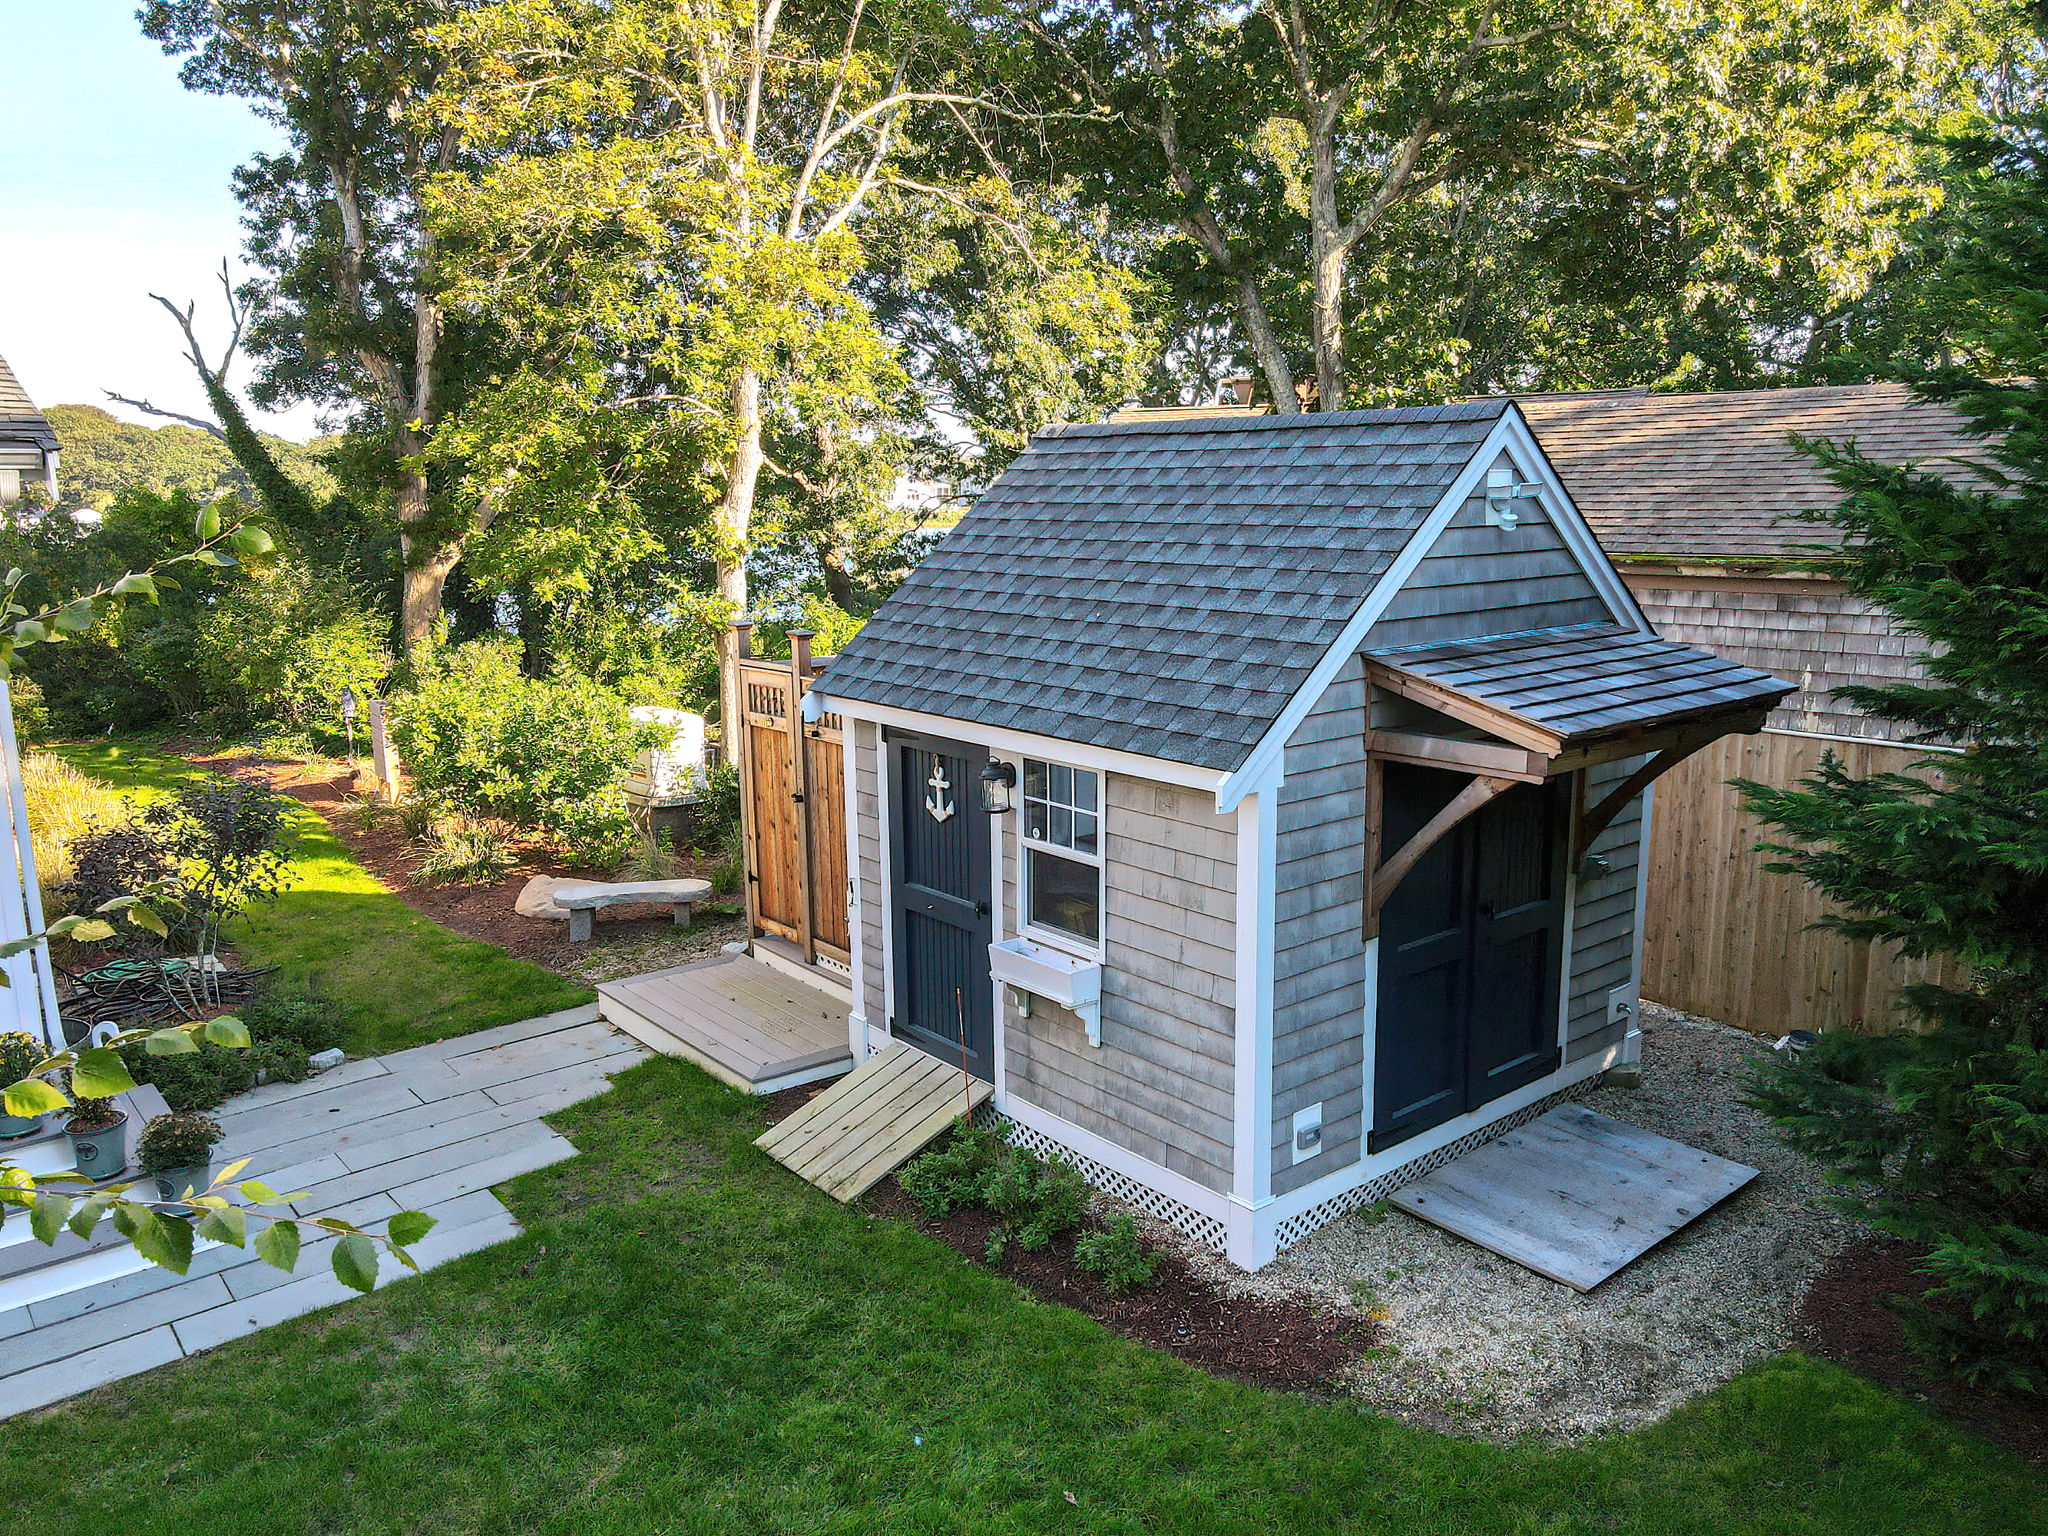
<point>1573,1195</point>
<point>740,1020</point>
<point>857,1132</point>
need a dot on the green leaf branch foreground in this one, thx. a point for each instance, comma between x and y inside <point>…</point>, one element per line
<point>214,545</point>
<point>164,1229</point>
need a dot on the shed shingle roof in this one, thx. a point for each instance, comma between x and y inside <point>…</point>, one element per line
<point>20,421</point>
<point>1713,476</point>
<point>1590,680</point>
<point>1160,587</point>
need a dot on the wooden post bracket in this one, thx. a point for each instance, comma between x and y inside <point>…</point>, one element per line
<point>1393,869</point>
<point>1600,816</point>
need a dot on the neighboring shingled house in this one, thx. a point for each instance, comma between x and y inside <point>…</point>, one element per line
<point>1693,497</point>
<point>1256,803</point>
<point>28,445</point>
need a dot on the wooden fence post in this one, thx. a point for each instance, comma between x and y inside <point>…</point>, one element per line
<point>736,646</point>
<point>800,782</point>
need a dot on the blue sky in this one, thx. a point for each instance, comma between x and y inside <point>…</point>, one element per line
<point>114,182</point>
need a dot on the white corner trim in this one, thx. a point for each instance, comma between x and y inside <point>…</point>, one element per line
<point>856,894</point>
<point>1273,744</point>
<point>1252,1097</point>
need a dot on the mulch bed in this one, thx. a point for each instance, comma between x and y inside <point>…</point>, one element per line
<point>475,911</point>
<point>1283,1345</point>
<point>1288,1346</point>
<point>1846,1318</point>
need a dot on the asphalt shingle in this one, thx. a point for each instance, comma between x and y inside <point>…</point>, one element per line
<point>1160,587</point>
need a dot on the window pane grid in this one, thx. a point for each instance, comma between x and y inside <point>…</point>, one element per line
<point>1063,854</point>
<point>1061,807</point>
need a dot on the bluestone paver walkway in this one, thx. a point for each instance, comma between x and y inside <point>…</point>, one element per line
<point>428,1129</point>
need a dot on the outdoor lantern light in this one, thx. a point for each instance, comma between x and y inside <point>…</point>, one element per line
<point>997,780</point>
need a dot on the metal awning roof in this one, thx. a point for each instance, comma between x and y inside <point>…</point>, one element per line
<point>1587,681</point>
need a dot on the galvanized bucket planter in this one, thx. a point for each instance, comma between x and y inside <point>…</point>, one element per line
<point>103,1153</point>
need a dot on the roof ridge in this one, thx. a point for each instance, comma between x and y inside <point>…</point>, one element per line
<point>1393,415</point>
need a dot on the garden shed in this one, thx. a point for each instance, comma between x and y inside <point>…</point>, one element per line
<point>1255,804</point>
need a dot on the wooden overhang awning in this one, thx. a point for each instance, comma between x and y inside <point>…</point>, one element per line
<point>1513,709</point>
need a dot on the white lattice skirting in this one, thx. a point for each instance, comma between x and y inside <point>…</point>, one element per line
<point>1377,1188</point>
<point>1211,1233</point>
<point>1206,1230</point>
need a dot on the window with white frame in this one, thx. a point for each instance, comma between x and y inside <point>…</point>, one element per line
<point>1063,851</point>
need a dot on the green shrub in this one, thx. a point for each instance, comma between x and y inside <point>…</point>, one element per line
<point>1118,1254</point>
<point>953,1177</point>
<point>179,1140</point>
<point>546,754</point>
<point>282,1061</point>
<point>1036,1199</point>
<point>198,1080</point>
<point>282,645</point>
<point>31,713</point>
<point>287,1013</point>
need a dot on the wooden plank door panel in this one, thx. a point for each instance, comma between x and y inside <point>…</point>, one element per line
<point>940,896</point>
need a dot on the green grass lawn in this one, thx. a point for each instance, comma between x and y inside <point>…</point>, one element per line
<point>689,1340</point>
<point>404,978</point>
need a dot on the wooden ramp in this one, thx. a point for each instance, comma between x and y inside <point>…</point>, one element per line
<point>1573,1195</point>
<point>858,1131</point>
<point>739,1019</point>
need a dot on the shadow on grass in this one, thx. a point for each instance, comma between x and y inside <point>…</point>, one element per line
<point>404,979</point>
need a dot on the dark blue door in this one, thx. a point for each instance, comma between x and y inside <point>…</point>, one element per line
<point>1471,951</point>
<point>940,854</point>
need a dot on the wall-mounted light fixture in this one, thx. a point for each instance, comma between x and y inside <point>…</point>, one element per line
<point>1505,496</point>
<point>997,780</point>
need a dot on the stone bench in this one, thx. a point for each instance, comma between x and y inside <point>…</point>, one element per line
<point>578,900</point>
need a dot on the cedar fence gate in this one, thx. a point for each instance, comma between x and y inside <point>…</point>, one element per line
<point>792,803</point>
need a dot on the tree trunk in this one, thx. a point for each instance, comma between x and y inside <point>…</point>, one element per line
<point>1327,323</point>
<point>838,579</point>
<point>735,518</point>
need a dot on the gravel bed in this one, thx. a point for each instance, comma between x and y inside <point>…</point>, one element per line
<point>1479,1346</point>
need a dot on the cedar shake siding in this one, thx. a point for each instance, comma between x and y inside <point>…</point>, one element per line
<point>1161,1083</point>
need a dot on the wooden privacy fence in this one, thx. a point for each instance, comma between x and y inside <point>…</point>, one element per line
<point>1727,938</point>
<point>792,803</point>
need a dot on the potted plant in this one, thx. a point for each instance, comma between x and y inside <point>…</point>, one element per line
<point>99,1137</point>
<point>19,1053</point>
<point>177,1151</point>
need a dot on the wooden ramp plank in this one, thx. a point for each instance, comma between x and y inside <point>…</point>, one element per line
<point>871,1122</point>
<point>1573,1195</point>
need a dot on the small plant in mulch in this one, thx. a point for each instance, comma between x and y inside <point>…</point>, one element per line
<point>1117,1255</point>
<point>170,1143</point>
<point>1036,1199</point>
<point>466,850</point>
<point>89,1115</point>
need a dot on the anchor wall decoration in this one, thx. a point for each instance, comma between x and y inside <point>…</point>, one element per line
<point>936,804</point>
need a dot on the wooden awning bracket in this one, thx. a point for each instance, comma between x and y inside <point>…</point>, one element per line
<point>1393,869</point>
<point>1598,817</point>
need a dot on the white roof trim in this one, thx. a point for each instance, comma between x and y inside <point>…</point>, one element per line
<point>1000,739</point>
<point>1513,436</point>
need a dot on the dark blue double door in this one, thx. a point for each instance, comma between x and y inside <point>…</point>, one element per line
<point>1471,952</point>
<point>939,895</point>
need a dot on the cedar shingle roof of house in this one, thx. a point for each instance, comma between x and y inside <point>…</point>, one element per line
<point>20,421</point>
<point>1160,587</point>
<point>1588,680</point>
<point>1713,476</point>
